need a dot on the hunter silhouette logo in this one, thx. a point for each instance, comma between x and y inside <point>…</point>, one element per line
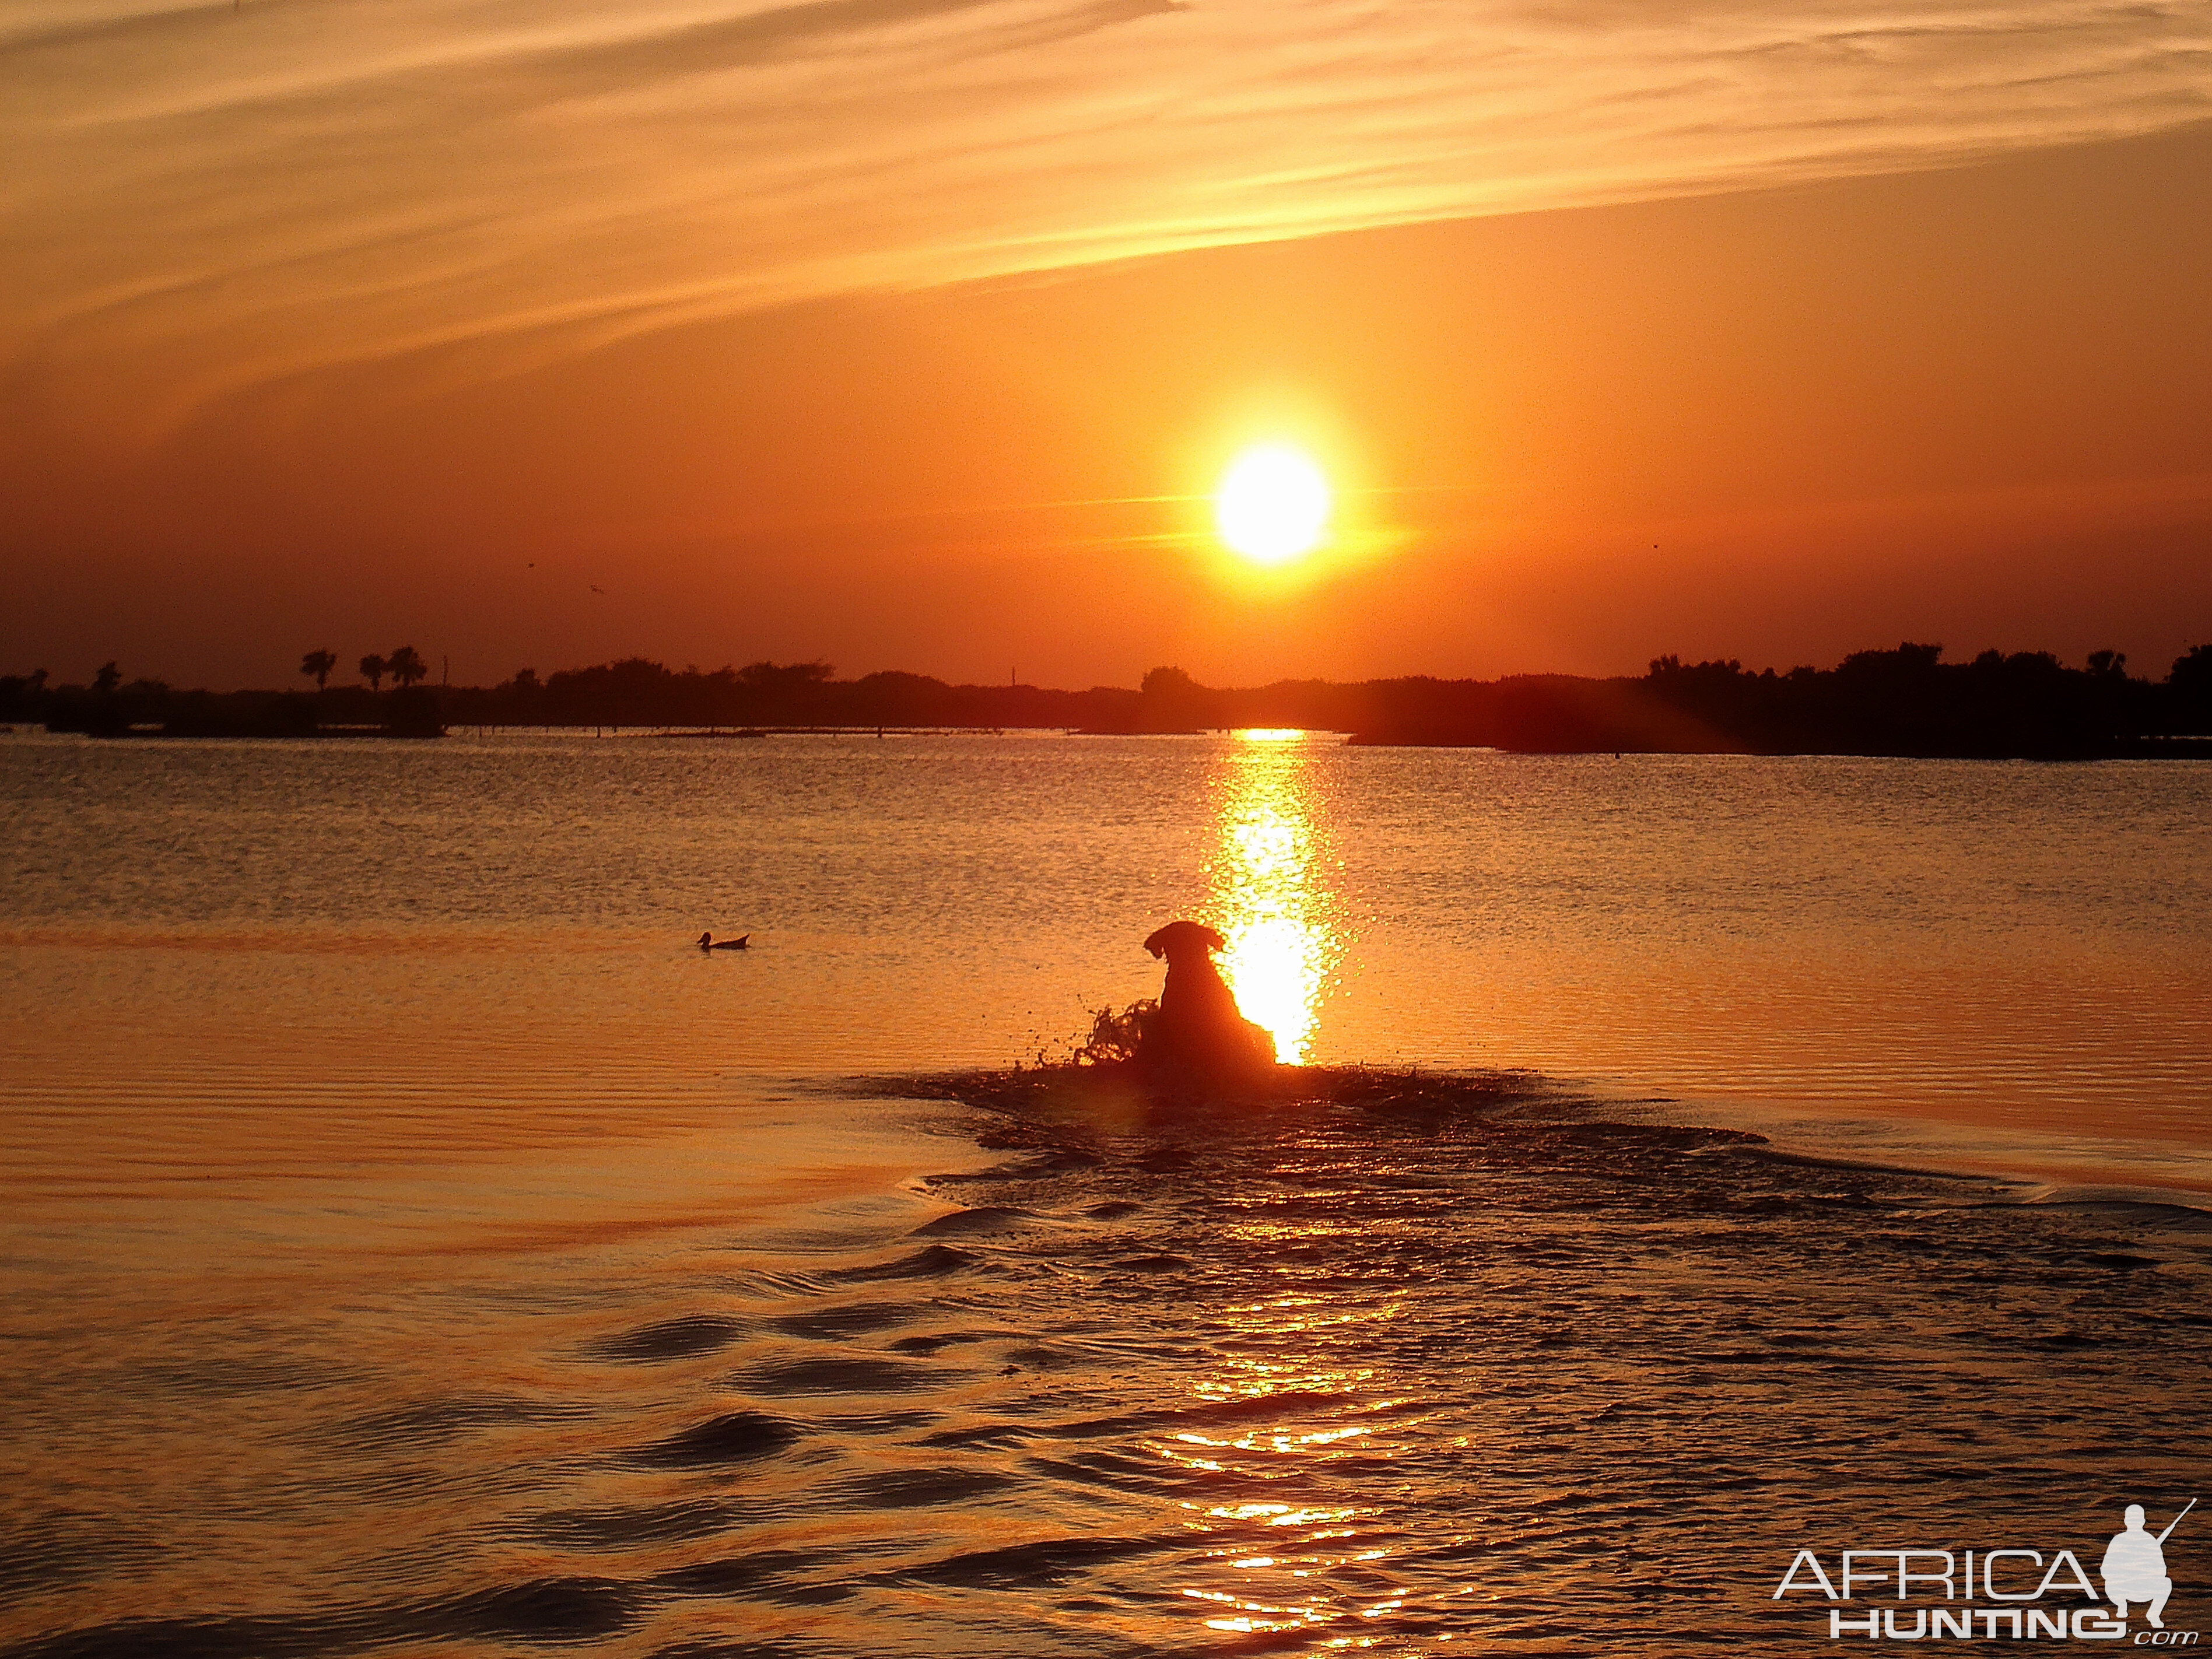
<point>2135,1566</point>
<point>2030,1594</point>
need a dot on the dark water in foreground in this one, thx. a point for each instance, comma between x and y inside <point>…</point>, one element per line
<point>412,1246</point>
<point>1425,1367</point>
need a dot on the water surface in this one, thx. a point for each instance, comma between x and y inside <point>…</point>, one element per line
<point>414,1244</point>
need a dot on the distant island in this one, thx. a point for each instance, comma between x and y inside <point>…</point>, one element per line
<point>1902,701</point>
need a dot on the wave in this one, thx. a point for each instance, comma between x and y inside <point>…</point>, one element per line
<point>1386,1354</point>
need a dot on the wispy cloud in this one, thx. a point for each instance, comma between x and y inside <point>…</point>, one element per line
<point>225,195</point>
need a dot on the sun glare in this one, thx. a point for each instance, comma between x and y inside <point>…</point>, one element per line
<point>1270,892</point>
<point>1273,504</point>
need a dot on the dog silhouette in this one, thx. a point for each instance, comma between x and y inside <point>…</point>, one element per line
<point>1198,1026</point>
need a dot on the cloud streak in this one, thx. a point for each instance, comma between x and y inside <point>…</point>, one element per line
<point>209,199</point>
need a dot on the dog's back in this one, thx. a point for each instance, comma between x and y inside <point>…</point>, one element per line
<point>1198,1026</point>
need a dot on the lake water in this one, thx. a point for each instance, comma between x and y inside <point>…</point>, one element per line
<point>414,1243</point>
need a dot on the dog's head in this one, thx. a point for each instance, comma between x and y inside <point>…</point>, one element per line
<point>1182,941</point>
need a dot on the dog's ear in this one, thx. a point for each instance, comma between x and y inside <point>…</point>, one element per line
<point>1213,940</point>
<point>1157,942</point>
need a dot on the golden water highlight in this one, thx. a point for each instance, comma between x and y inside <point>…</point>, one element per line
<point>1268,892</point>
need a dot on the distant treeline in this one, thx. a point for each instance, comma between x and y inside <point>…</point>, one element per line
<point>1902,701</point>
<point>111,706</point>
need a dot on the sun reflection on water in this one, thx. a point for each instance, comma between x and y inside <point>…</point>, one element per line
<point>1267,888</point>
<point>1298,1401</point>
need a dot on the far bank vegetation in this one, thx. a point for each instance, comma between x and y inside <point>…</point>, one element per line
<point>1904,701</point>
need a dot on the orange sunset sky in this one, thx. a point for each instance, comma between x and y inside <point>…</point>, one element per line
<point>915,333</point>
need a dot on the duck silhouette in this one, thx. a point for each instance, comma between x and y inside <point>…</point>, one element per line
<point>709,942</point>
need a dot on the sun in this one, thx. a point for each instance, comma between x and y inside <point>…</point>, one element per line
<point>1273,504</point>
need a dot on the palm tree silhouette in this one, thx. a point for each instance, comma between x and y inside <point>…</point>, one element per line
<point>374,668</point>
<point>317,666</point>
<point>406,666</point>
